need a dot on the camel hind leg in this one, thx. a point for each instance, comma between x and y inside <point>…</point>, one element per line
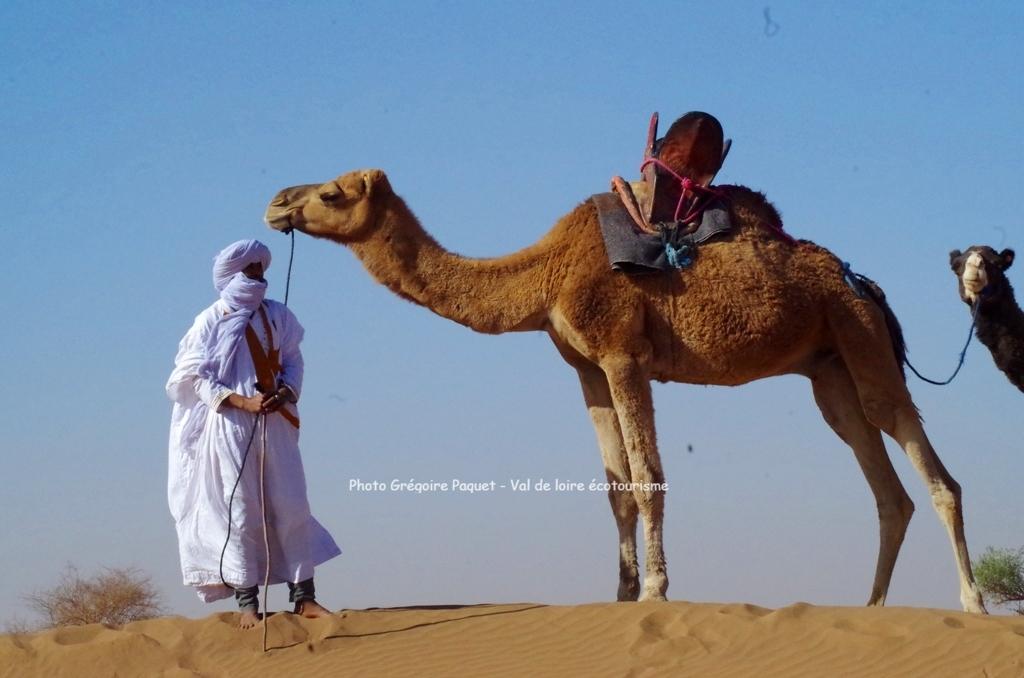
<point>836,396</point>
<point>904,425</point>
<point>866,348</point>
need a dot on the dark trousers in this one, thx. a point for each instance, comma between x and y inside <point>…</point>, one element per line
<point>249,598</point>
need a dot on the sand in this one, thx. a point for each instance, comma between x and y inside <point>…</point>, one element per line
<point>604,639</point>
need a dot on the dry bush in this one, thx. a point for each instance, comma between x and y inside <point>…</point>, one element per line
<point>114,596</point>
<point>18,627</point>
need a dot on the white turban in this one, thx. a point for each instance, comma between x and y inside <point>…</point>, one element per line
<point>243,296</point>
<point>236,256</point>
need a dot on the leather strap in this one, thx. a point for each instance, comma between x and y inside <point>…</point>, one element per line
<point>632,205</point>
<point>268,365</point>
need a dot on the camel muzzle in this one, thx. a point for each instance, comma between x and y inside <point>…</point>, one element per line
<point>286,203</point>
<point>280,223</point>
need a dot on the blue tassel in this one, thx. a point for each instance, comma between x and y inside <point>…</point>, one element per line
<point>678,257</point>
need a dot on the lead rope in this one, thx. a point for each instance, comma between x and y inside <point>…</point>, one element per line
<point>231,500</point>
<point>963,353</point>
<point>266,534</point>
<point>263,460</point>
<point>291,258</point>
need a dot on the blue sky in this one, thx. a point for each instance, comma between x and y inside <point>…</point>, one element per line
<point>139,139</point>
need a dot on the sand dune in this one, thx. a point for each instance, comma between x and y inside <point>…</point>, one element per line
<point>605,639</point>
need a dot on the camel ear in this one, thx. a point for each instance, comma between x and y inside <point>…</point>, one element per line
<point>375,182</point>
<point>1007,259</point>
<point>953,256</point>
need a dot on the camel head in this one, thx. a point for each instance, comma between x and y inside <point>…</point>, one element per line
<point>345,209</point>
<point>978,268</point>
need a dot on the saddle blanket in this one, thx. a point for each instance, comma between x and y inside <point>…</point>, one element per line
<point>632,251</point>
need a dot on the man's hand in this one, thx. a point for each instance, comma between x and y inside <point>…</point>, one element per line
<point>253,405</point>
<point>275,400</point>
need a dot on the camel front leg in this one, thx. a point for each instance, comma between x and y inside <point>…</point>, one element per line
<point>598,398</point>
<point>631,396</point>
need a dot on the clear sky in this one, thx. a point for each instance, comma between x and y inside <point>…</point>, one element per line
<point>139,138</point>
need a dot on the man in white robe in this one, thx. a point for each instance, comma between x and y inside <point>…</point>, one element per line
<point>238,374</point>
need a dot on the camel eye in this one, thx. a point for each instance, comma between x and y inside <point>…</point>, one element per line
<point>331,193</point>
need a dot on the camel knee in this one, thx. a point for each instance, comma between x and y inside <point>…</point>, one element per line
<point>896,513</point>
<point>646,476</point>
<point>901,509</point>
<point>650,502</point>
<point>623,506</point>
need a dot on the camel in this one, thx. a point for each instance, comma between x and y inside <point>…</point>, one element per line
<point>752,305</point>
<point>999,322</point>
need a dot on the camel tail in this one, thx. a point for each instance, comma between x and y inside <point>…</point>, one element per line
<point>899,344</point>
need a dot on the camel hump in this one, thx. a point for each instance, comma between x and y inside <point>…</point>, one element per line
<point>693,147</point>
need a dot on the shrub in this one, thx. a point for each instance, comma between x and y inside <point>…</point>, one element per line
<point>1000,575</point>
<point>114,596</point>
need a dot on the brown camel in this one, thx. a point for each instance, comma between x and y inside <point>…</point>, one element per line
<point>751,306</point>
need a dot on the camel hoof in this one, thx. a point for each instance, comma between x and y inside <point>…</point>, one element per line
<point>971,600</point>
<point>655,587</point>
<point>974,605</point>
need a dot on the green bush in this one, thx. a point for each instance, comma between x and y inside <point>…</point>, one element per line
<point>1000,575</point>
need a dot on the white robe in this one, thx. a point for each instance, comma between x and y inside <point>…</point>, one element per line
<point>207,444</point>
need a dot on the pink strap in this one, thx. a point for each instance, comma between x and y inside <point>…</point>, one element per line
<point>689,185</point>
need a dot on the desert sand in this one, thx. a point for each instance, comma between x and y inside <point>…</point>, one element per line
<point>604,639</point>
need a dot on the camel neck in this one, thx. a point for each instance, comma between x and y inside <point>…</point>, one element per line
<point>1000,316</point>
<point>503,294</point>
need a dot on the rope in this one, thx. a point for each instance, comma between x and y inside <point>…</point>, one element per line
<point>263,461</point>
<point>231,500</point>
<point>687,184</point>
<point>678,256</point>
<point>291,258</point>
<point>963,353</point>
<point>266,535</point>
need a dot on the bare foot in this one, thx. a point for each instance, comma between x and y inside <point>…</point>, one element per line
<point>248,619</point>
<point>310,609</point>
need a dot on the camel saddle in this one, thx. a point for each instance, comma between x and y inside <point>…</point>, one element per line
<point>655,224</point>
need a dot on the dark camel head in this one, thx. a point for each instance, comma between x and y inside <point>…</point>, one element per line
<point>978,268</point>
<point>345,209</point>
